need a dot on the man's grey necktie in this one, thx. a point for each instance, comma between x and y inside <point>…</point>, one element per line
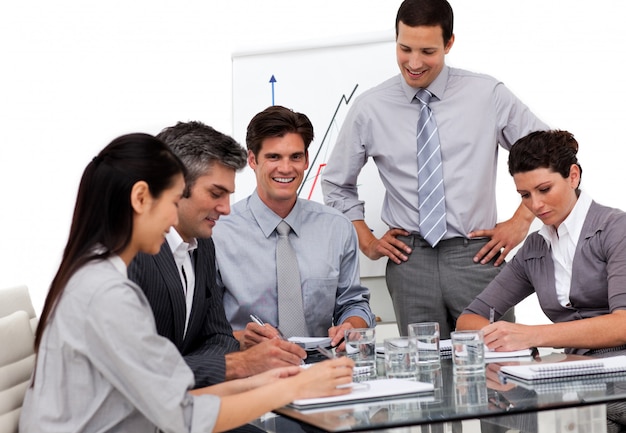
<point>430,193</point>
<point>290,310</point>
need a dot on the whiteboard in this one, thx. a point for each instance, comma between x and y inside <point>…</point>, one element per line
<point>320,80</point>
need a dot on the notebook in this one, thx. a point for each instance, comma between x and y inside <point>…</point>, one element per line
<point>369,390</point>
<point>565,370</point>
<point>309,343</point>
<point>571,386</point>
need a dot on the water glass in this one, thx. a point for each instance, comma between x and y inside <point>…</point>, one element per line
<point>427,336</point>
<point>470,392</point>
<point>433,374</point>
<point>401,358</point>
<point>468,352</point>
<point>361,347</point>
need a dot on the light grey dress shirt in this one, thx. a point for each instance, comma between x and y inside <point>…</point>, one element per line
<point>102,367</point>
<point>474,114</point>
<point>327,248</point>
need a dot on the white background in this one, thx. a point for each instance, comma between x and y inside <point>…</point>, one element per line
<point>76,74</point>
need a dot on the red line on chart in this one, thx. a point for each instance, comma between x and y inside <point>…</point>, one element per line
<point>319,169</point>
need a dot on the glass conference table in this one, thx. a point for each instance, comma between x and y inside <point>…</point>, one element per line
<point>495,407</point>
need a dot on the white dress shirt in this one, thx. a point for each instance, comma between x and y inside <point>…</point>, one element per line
<point>563,242</point>
<point>182,256</point>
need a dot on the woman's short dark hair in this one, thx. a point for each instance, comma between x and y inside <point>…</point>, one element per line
<point>555,150</point>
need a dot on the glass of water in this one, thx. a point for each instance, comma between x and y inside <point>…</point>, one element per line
<point>468,352</point>
<point>401,358</point>
<point>427,336</point>
<point>361,347</point>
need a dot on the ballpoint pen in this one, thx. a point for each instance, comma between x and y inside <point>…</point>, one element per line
<point>327,353</point>
<point>492,315</point>
<point>256,319</point>
<point>354,385</point>
<point>338,343</point>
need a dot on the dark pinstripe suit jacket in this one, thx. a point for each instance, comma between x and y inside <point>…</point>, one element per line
<point>209,335</point>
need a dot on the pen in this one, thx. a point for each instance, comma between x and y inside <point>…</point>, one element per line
<point>355,386</point>
<point>256,319</point>
<point>492,313</point>
<point>327,353</point>
<point>338,343</point>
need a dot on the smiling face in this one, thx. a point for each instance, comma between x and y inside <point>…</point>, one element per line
<point>153,217</point>
<point>547,194</point>
<point>279,171</point>
<point>420,53</point>
<point>209,199</point>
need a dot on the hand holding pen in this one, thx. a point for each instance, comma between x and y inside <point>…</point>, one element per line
<point>337,336</point>
<point>273,332</point>
<point>268,331</point>
<point>328,353</point>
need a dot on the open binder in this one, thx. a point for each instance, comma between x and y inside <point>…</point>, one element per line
<point>615,365</point>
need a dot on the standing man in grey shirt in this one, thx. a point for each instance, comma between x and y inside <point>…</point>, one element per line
<point>431,280</point>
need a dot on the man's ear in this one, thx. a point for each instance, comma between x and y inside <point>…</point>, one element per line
<point>448,46</point>
<point>251,160</point>
<point>140,197</point>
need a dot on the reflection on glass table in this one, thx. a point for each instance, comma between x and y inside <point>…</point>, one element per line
<point>498,406</point>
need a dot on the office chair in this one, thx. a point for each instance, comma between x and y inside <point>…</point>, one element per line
<point>15,299</point>
<point>17,361</point>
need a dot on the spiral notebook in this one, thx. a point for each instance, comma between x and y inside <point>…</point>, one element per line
<point>582,385</point>
<point>310,343</point>
<point>614,365</point>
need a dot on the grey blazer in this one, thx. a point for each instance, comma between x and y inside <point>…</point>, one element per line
<point>598,273</point>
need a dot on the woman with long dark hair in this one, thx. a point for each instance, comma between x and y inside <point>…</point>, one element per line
<point>101,366</point>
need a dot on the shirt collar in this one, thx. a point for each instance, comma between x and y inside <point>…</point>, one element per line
<point>178,246</point>
<point>437,87</point>
<point>268,220</point>
<point>574,222</point>
<point>118,264</point>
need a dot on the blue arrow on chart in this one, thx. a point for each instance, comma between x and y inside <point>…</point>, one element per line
<point>272,81</point>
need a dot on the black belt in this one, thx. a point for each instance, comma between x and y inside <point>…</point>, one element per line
<point>416,240</point>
